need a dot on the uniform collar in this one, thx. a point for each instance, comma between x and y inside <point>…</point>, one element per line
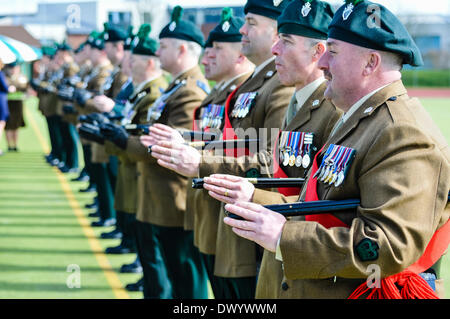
<point>260,67</point>
<point>305,92</point>
<point>359,103</point>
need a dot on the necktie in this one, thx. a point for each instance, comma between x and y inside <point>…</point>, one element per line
<point>291,110</point>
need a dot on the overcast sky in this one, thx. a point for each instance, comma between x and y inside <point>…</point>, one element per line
<point>397,6</point>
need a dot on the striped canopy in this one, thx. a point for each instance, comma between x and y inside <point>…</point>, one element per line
<point>6,55</point>
<point>22,51</point>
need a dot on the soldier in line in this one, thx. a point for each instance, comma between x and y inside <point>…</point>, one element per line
<point>386,151</point>
<point>226,65</point>
<point>302,31</point>
<point>171,264</point>
<point>148,81</point>
<point>39,84</point>
<point>103,168</point>
<point>81,58</point>
<point>69,135</point>
<point>259,105</point>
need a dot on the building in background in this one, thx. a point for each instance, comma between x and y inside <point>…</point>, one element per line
<point>56,20</point>
<point>51,21</point>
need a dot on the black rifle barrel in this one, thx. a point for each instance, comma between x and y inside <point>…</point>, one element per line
<point>311,208</point>
<point>187,135</point>
<point>261,182</point>
<point>224,144</point>
<point>199,135</point>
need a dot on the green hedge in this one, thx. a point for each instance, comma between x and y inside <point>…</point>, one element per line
<point>426,78</point>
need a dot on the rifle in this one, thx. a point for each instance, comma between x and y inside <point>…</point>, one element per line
<point>187,135</point>
<point>224,144</point>
<point>263,182</point>
<point>311,208</point>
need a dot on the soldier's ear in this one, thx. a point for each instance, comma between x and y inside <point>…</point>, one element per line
<point>373,63</point>
<point>318,50</point>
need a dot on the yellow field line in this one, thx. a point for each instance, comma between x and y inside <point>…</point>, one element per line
<point>96,248</point>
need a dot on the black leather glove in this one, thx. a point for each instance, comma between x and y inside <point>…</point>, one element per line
<point>91,132</point>
<point>115,133</point>
<point>81,96</point>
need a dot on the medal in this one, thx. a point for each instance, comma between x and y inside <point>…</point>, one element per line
<point>306,161</point>
<point>340,179</point>
<point>298,159</point>
<point>336,163</point>
<point>295,141</point>
<point>287,151</point>
<point>322,165</point>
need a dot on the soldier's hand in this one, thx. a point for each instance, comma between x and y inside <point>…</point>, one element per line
<point>161,132</point>
<point>104,103</point>
<point>228,188</point>
<point>178,157</point>
<point>260,224</point>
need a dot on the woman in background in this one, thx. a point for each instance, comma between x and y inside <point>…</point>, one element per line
<point>18,85</point>
<point>4,112</point>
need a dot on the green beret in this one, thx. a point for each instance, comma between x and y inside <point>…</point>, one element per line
<point>145,45</point>
<point>113,33</point>
<point>128,45</point>
<point>182,29</point>
<point>268,8</point>
<point>48,50</point>
<point>91,38</point>
<point>371,25</point>
<point>228,28</point>
<point>98,42</point>
<point>64,46</point>
<point>307,18</point>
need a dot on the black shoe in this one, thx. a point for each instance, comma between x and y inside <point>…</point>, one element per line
<point>94,214</point>
<point>81,178</point>
<point>138,286</point>
<point>54,162</point>
<point>133,268</point>
<point>115,234</point>
<point>104,222</point>
<point>93,205</point>
<point>67,169</point>
<point>119,250</point>
<point>88,189</point>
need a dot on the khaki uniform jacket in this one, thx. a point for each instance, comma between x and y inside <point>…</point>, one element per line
<point>163,201</point>
<point>318,118</point>
<point>237,257</point>
<point>70,69</point>
<point>95,84</point>
<point>42,96</point>
<point>126,192</point>
<point>201,209</point>
<point>401,174</point>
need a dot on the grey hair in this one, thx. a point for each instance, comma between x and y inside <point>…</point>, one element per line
<point>194,49</point>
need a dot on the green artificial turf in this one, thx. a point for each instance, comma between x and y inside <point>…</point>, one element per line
<point>41,237</point>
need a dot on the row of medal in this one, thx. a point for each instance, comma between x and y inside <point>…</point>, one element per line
<point>243,104</point>
<point>295,148</point>
<point>212,117</point>
<point>335,164</point>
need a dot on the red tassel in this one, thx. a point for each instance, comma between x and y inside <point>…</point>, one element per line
<point>412,286</point>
